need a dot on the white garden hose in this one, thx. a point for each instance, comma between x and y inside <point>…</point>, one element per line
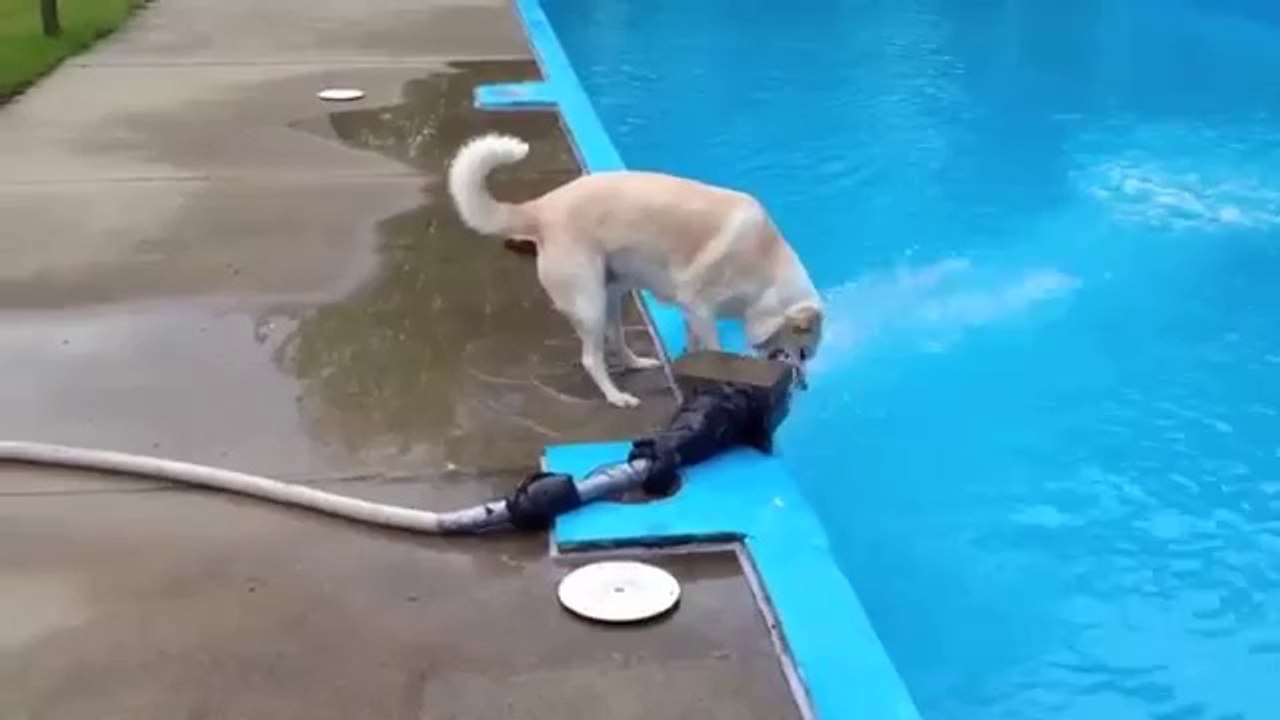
<point>391,516</point>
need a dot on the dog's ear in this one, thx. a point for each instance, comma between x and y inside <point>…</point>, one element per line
<point>804,320</point>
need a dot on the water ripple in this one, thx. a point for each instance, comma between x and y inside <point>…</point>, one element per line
<point>1042,431</point>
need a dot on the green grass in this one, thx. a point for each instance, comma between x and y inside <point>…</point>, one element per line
<point>26,54</point>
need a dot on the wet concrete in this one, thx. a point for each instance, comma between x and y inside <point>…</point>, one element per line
<point>357,321</point>
<point>203,261</point>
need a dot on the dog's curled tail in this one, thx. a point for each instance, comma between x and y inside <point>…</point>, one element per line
<point>471,166</point>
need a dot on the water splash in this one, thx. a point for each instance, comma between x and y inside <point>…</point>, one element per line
<point>931,307</point>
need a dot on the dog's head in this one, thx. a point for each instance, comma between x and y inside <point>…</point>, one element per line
<point>796,340</point>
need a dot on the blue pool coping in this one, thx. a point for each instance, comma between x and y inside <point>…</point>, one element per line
<point>533,95</point>
<point>744,495</point>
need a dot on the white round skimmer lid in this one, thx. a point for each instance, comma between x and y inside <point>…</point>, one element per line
<point>619,591</point>
<point>340,94</point>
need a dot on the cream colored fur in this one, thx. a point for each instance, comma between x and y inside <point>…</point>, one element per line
<point>712,251</point>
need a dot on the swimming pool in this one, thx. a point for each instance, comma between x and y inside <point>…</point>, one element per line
<point>1043,433</point>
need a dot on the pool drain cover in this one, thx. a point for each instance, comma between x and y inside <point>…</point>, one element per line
<point>340,94</point>
<point>619,591</point>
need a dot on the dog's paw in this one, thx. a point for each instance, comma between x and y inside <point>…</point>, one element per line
<point>643,363</point>
<point>624,400</point>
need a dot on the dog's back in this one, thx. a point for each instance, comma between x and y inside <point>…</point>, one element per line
<point>620,210</point>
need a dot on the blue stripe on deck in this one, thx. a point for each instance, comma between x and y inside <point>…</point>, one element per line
<point>535,95</point>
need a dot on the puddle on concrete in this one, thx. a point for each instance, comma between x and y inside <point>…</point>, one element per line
<point>436,115</point>
<point>453,337</point>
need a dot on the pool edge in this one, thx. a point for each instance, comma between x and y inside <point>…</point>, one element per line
<point>835,657</point>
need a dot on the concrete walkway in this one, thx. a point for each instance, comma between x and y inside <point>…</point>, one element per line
<point>203,261</point>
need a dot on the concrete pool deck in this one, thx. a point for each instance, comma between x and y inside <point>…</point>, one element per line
<point>205,262</point>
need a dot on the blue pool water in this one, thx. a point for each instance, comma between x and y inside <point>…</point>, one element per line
<point>1044,433</point>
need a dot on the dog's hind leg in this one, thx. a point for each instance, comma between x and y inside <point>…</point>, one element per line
<point>576,287</point>
<point>700,331</point>
<point>593,360</point>
<point>617,334</point>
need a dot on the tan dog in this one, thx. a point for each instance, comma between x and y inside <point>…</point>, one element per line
<point>712,251</point>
